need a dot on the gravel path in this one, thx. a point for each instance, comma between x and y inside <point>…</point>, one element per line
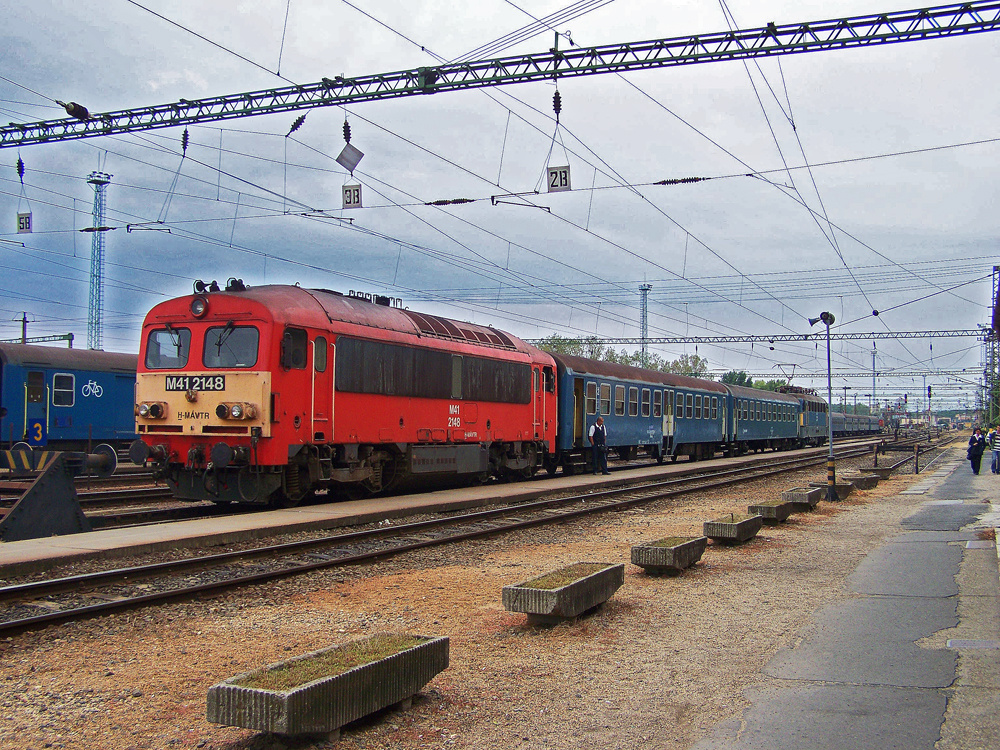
<point>660,664</point>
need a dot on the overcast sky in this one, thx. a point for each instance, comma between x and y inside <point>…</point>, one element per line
<point>903,139</point>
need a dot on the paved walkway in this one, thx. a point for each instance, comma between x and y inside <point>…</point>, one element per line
<point>912,659</point>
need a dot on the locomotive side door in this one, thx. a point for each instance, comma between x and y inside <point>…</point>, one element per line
<point>322,390</point>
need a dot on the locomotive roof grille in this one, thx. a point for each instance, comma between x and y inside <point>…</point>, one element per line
<point>431,325</point>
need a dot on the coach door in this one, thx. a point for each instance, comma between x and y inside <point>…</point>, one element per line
<point>322,390</point>
<point>668,417</point>
<point>36,408</point>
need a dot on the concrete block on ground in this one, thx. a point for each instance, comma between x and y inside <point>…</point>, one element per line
<point>803,499</point>
<point>325,704</point>
<point>773,511</point>
<point>585,586</point>
<point>734,528</point>
<point>671,555</point>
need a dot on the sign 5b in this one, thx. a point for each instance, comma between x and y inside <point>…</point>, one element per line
<point>24,223</point>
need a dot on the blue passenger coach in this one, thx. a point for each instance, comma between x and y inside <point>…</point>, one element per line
<point>659,413</point>
<point>65,397</point>
<point>762,420</point>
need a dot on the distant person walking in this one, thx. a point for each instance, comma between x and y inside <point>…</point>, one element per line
<point>599,446</point>
<point>977,446</point>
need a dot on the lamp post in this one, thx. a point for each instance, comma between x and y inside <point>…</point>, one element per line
<point>828,320</point>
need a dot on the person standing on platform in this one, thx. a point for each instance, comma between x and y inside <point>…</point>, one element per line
<point>599,446</point>
<point>977,446</point>
<point>993,444</point>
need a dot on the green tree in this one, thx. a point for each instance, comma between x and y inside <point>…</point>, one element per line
<point>689,364</point>
<point>738,377</point>
<point>768,385</point>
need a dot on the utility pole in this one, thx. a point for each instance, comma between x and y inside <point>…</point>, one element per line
<point>24,327</point>
<point>872,401</point>
<point>95,311</point>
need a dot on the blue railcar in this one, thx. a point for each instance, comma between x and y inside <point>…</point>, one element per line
<point>762,419</point>
<point>846,425</point>
<point>66,398</point>
<point>658,413</point>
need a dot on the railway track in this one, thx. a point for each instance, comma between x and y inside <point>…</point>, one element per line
<point>110,591</point>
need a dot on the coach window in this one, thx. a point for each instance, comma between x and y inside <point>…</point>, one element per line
<point>619,401</point>
<point>680,405</point>
<point>35,387</point>
<point>236,346</point>
<point>168,348</point>
<point>63,389</point>
<point>645,402</point>
<point>715,407</point>
<point>657,403</point>
<point>697,407</point>
<point>689,413</point>
<point>591,398</point>
<point>293,349</point>
<point>633,402</point>
<point>605,399</point>
<point>319,354</point>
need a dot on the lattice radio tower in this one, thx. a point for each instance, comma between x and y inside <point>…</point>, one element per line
<point>644,322</point>
<point>95,311</point>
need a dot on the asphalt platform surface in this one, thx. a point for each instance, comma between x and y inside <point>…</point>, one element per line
<point>911,659</point>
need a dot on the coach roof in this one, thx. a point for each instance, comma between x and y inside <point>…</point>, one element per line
<point>28,355</point>
<point>584,366</point>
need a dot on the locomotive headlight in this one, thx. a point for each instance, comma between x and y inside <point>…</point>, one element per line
<point>151,410</point>
<point>199,306</point>
<point>237,411</point>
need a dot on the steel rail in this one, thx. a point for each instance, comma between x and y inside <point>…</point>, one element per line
<point>597,502</point>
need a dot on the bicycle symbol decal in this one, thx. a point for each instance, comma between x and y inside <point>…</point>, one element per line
<point>91,388</point>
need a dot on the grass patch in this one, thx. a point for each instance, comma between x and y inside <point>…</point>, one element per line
<point>559,578</point>
<point>331,663</point>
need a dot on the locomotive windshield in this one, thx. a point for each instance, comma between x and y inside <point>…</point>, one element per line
<point>231,346</point>
<point>168,348</point>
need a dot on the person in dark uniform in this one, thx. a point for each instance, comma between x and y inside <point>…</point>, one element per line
<point>599,446</point>
<point>977,446</point>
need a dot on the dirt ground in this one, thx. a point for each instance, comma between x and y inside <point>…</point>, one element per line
<point>659,664</point>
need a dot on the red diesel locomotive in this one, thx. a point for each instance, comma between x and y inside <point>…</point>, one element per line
<point>262,395</point>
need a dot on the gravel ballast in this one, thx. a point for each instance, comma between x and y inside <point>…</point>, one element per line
<point>659,664</point>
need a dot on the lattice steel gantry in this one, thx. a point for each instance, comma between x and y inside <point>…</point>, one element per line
<point>991,357</point>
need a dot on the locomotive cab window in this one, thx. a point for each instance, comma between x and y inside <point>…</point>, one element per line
<point>168,348</point>
<point>35,387</point>
<point>63,389</point>
<point>294,346</point>
<point>549,378</point>
<point>591,398</point>
<point>232,346</point>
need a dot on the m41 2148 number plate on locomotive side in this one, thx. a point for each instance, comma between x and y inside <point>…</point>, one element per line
<point>196,383</point>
